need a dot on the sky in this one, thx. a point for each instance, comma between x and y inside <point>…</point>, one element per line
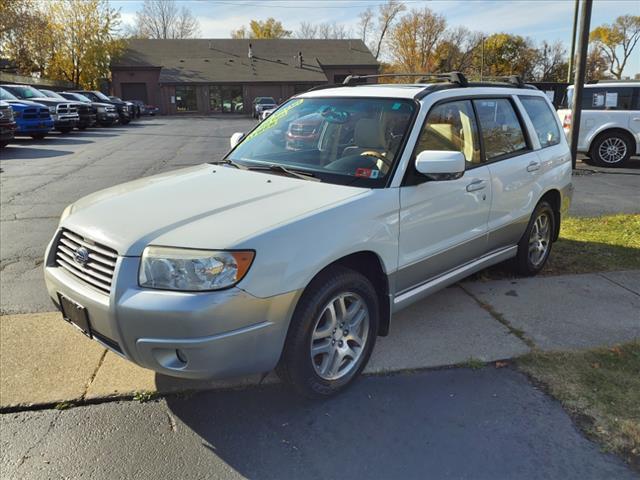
<point>540,20</point>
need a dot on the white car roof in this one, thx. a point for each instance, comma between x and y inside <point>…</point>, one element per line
<point>610,84</point>
<point>403,90</point>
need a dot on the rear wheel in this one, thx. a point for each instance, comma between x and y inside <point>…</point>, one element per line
<point>612,149</point>
<point>332,333</point>
<point>535,245</point>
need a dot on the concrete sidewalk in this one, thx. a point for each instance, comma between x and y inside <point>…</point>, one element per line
<point>43,360</point>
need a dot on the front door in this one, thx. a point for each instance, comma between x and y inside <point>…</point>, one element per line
<point>443,222</point>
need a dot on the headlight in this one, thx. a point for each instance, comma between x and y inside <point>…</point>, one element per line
<point>168,268</point>
<point>17,113</point>
<point>65,213</point>
<point>102,109</point>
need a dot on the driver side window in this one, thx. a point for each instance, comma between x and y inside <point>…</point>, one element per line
<point>452,127</point>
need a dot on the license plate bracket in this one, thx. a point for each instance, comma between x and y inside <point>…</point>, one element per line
<point>75,314</point>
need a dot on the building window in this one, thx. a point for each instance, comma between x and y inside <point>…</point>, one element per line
<point>186,98</point>
<point>226,98</point>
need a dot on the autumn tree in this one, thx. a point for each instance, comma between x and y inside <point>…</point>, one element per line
<point>551,62</point>
<point>617,41</point>
<point>374,29</point>
<point>84,42</point>
<point>458,50</point>
<point>597,64</point>
<point>269,28</point>
<point>507,54</point>
<point>25,36</point>
<point>414,38</point>
<point>325,31</point>
<point>163,19</point>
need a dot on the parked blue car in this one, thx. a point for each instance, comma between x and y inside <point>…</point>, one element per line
<point>32,119</point>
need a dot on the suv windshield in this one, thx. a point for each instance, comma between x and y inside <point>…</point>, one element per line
<point>5,95</point>
<point>76,96</point>
<point>339,140</point>
<point>52,94</point>
<point>26,93</point>
<point>266,101</point>
<point>102,96</point>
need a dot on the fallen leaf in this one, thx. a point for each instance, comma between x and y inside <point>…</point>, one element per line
<point>501,364</point>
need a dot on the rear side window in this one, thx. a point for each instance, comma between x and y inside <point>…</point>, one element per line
<point>500,128</point>
<point>543,119</point>
<point>607,98</point>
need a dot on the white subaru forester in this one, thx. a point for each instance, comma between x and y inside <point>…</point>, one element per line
<point>294,251</point>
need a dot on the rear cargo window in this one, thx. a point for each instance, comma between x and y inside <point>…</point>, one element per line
<point>543,119</point>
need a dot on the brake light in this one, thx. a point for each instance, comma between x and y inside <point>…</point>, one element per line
<point>566,123</point>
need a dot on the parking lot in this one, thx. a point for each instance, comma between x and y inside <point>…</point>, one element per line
<point>40,178</point>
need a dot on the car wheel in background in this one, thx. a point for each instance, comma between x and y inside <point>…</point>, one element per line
<point>332,333</point>
<point>38,136</point>
<point>535,245</point>
<point>611,149</point>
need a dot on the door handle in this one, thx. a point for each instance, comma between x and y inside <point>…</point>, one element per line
<point>533,166</point>
<point>476,185</point>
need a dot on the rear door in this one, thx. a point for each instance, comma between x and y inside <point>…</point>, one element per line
<point>443,221</point>
<point>514,168</point>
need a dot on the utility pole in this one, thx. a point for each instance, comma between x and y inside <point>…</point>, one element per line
<point>482,59</point>
<point>572,53</point>
<point>583,46</point>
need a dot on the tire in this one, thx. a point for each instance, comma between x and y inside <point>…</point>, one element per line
<point>125,122</point>
<point>38,136</point>
<point>612,149</point>
<point>65,130</point>
<point>538,236</point>
<point>318,377</point>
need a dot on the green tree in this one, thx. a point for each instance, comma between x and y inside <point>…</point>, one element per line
<point>269,28</point>
<point>617,41</point>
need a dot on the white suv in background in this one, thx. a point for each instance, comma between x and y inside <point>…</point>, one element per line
<point>610,123</point>
<point>296,257</point>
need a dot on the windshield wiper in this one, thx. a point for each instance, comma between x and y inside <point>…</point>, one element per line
<point>290,173</point>
<point>227,161</point>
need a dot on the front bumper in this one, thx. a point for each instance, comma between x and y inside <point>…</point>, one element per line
<point>7,131</point>
<point>33,126</point>
<point>66,122</point>
<point>107,118</point>
<point>191,335</point>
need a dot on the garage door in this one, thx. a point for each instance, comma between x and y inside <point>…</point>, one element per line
<point>134,91</point>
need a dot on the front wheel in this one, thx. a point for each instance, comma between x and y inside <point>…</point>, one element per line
<point>611,150</point>
<point>535,245</point>
<point>332,333</point>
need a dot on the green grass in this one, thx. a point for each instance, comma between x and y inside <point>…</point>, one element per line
<point>596,244</point>
<point>600,388</point>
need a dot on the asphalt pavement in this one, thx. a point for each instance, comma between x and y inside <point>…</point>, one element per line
<point>448,424</point>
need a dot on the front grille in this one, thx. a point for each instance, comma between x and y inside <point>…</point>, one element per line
<point>66,108</point>
<point>44,113</point>
<point>30,113</point>
<point>100,262</point>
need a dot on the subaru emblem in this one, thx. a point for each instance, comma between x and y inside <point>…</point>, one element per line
<point>81,256</point>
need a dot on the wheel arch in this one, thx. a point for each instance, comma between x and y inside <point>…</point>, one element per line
<point>554,197</point>
<point>369,264</point>
<point>611,130</point>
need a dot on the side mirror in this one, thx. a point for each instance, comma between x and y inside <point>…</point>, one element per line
<point>235,139</point>
<point>440,164</point>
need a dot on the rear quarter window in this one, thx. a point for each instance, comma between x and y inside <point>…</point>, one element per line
<point>544,120</point>
<point>607,98</point>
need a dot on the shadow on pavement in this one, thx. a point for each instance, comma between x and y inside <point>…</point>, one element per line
<point>459,423</point>
<point>26,153</point>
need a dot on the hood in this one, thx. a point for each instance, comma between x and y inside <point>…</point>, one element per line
<point>207,207</point>
<point>24,103</point>
<point>49,101</point>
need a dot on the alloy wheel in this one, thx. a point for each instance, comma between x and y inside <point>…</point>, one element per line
<point>539,239</point>
<point>612,150</point>
<point>339,336</point>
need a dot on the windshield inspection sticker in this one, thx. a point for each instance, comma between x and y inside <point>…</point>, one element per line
<point>366,173</point>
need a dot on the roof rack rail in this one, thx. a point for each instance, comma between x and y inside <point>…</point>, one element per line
<point>514,80</point>
<point>453,77</point>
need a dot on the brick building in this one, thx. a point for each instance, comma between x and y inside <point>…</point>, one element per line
<point>225,75</point>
